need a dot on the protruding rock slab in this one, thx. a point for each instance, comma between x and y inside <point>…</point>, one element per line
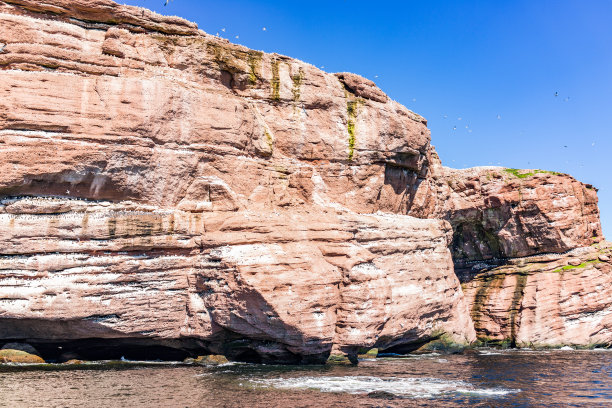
<point>282,285</point>
<point>19,357</point>
<point>496,212</point>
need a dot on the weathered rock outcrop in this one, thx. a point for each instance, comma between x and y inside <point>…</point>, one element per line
<point>282,284</point>
<point>163,187</point>
<point>546,300</point>
<point>184,191</point>
<point>500,213</point>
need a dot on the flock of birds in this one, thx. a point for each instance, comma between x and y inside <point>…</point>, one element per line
<point>556,95</point>
<point>498,116</point>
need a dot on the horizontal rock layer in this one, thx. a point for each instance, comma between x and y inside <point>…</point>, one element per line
<point>289,283</point>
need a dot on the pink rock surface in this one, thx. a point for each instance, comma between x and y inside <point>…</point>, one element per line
<point>500,213</point>
<point>546,300</point>
<point>162,185</point>
<point>204,193</point>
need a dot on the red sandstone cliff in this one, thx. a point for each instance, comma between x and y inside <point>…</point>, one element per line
<point>163,186</point>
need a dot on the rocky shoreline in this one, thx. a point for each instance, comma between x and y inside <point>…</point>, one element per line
<point>19,360</point>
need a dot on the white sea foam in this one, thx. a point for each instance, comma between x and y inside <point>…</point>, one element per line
<point>403,387</point>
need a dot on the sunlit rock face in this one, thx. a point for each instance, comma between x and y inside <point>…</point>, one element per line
<point>162,186</point>
<point>547,300</point>
<point>500,213</point>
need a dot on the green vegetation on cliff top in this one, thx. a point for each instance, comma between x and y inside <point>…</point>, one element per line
<point>519,173</point>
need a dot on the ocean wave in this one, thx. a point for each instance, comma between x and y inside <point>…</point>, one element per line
<point>489,353</point>
<point>402,387</point>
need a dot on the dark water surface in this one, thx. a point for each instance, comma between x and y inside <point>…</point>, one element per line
<point>487,378</point>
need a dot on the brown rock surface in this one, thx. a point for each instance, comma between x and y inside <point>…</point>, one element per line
<point>162,186</point>
<point>195,193</point>
<point>499,213</point>
<point>546,300</point>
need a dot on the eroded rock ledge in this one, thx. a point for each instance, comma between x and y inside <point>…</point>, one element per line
<point>161,187</point>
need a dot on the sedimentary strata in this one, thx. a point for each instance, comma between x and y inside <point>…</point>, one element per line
<point>546,300</point>
<point>161,187</point>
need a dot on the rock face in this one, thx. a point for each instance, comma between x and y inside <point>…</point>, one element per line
<point>184,191</point>
<point>547,300</point>
<point>162,187</point>
<point>500,213</point>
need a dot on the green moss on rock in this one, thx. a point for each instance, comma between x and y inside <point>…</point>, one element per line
<point>210,360</point>
<point>352,106</point>
<point>20,357</point>
<point>275,82</point>
<point>521,174</point>
<point>368,354</point>
<point>297,79</point>
<point>517,300</point>
<point>444,343</point>
<point>237,61</point>
<point>582,265</point>
<point>339,359</point>
<point>254,61</point>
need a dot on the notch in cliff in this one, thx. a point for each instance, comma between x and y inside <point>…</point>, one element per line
<point>362,87</point>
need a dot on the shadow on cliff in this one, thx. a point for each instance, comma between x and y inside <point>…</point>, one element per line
<point>90,184</point>
<point>90,340</point>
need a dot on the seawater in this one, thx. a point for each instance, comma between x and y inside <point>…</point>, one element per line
<point>482,378</point>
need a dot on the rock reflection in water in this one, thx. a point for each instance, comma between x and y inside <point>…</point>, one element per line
<point>483,379</point>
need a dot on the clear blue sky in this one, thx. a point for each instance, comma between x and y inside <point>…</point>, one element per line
<point>495,64</point>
